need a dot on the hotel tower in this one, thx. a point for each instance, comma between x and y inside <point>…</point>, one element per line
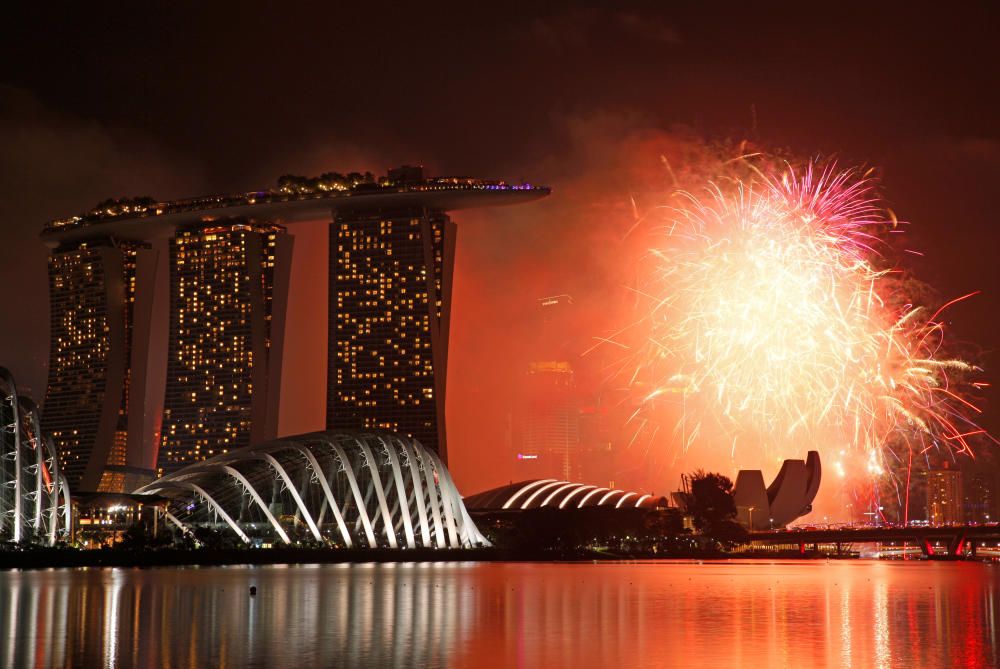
<point>392,250</point>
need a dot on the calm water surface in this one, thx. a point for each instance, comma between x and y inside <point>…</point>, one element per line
<point>609,615</point>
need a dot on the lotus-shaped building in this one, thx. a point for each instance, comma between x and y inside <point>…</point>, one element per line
<point>355,490</point>
<point>789,496</point>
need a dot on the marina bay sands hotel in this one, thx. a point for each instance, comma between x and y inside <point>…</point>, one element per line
<point>114,421</point>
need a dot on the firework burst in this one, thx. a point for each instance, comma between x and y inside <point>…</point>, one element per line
<point>773,313</point>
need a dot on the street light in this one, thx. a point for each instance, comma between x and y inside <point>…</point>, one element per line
<point>772,524</point>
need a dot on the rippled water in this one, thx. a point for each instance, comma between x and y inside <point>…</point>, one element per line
<point>719,614</point>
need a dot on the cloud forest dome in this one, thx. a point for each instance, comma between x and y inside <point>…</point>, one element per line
<point>34,495</point>
<point>354,490</point>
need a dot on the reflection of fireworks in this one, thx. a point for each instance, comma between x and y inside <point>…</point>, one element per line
<point>771,316</point>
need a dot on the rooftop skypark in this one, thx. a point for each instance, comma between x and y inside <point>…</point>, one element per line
<point>345,190</point>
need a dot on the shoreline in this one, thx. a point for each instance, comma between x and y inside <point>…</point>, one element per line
<point>73,558</point>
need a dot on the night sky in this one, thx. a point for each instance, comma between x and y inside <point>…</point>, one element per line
<point>176,101</point>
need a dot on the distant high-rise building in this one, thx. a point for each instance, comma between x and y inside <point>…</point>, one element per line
<point>100,294</point>
<point>390,311</point>
<point>597,457</point>
<point>228,293</point>
<point>979,489</point>
<point>944,497</point>
<point>549,406</point>
<point>550,438</point>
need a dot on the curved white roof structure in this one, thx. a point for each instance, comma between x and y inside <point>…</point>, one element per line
<point>559,495</point>
<point>363,490</point>
<point>34,497</point>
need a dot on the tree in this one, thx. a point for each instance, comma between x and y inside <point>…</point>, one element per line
<point>711,500</point>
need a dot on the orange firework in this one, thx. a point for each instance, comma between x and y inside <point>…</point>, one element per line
<point>774,314</point>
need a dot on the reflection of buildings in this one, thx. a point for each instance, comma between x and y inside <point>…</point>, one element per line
<point>100,301</point>
<point>228,293</point>
<point>346,615</point>
<point>392,253</point>
<point>944,497</point>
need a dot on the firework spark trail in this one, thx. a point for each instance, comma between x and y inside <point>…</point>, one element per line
<point>773,312</point>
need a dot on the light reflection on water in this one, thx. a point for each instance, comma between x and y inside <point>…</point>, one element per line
<point>727,614</point>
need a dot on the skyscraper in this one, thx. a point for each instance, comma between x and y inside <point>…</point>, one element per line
<point>944,497</point>
<point>390,308</point>
<point>100,294</point>
<point>549,407</point>
<point>390,274</point>
<point>228,287</point>
<point>979,489</point>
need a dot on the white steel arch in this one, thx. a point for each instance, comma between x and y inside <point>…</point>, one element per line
<point>211,502</point>
<point>588,496</point>
<point>376,481</point>
<point>30,480</point>
<point>641,500</point>
<point>397,475</point>
<point>609,496</point>
<point>359,500</point>
<point>538,492</point>
<point>558,490</point>
<point>418,492</point>
<point>573,494</point>
<point>325,485</point>
<point>625,497</point>
<point>510,502</point>
<point>400,478</point>
<point>295,495</point>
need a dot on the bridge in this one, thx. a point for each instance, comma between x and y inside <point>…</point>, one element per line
<point>959,540</point>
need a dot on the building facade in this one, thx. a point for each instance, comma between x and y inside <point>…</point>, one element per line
<point>228,293</point>
<point>389,317</point>
<point>548,408</point>
<point>979,489</point>
<point>100,298</point>
<point>339,489</point>
<point>944,497</point>
<point>390,274</point>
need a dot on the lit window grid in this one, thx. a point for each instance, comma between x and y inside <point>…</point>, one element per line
<point>80,348</point>
<point>383,309</point>
<point>207,408</point>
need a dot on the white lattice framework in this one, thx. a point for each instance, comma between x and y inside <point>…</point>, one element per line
<point>553,493</point>
<point>352,490</point>
<point>34,495</point>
